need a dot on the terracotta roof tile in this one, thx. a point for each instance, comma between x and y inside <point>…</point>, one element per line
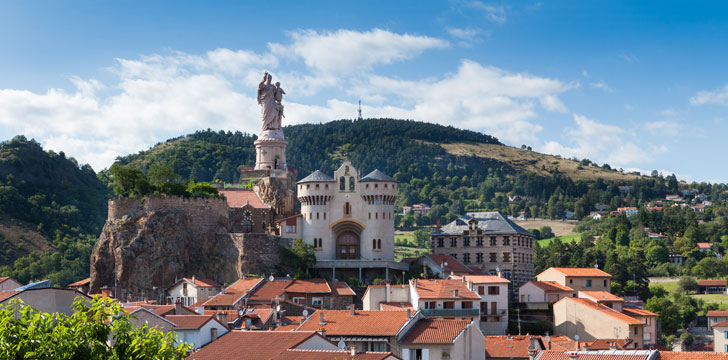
<point>604,344</point>
<point>601,296</point>
<point>721,324</point>
<point>503,346</point>
<point>6,294</point>
<point>581,272</point>
<point>270,290</point>
<point>559,343</point>
<point>163,310</point>
<point>717,313</point>
<point>341,288</point>
<point>444,289</point>
<point>453,265</point>
<point>188,322</point>
<point>395,306</point>
<point>596,355</point>
<point>240,198</point>
<point>287,327</point>
<point>200,303</point>
<point>244,285</point>
<point>331,355</point>
<point>712,283</point>
<point>370,323</point>
<point>551,286</point>
<point>483,279</point>
<point>205,282</point>
<point>226,299</point>
<point>692,355</point>
<point>637,312</point>
<point>703,245</point>
<point>605,310</point>
<point>256,345</point>
<point>79,283</point>
<point>309,286</point>
<point>434,331</point>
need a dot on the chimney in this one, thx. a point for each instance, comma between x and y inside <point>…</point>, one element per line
<point>415,285</point>
<point>178,307</point>
<point>193,279</point>
<point>321,318</point>
<point>532,349</point>
<point>500,274</point>
<point>470,285</point>
<point>409,314</point>
<point>352,350</point>
<point>213,334</point>
<point>387,297</point>
<point>437,226</point>
<point>612,345</point>
<point>105,292</point>
<point>352,312</point>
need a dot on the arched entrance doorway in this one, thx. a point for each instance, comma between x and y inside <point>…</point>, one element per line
<point>347,245</point>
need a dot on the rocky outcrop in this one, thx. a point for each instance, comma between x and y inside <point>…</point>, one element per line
<point>149,242</point>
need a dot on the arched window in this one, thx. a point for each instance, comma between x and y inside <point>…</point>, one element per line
<point>346,170</point>
<point>342,183</point>
<point>247,226</point>
<point>351,183</point>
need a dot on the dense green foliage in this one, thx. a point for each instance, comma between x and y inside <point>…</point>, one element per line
<point>298,259</point>
<point>52,195</point>
<point>132,182</point>
<point>26,333</point>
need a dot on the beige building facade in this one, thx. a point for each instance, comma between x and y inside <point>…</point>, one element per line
<point>592,321</point>
<point>720,337</point>
<point>578,279</point>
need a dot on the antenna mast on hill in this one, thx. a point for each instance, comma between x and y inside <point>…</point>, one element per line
<point>360,117</point>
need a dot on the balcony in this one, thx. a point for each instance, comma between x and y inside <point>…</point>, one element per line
<point>498,312</point>
<point>450,312</point>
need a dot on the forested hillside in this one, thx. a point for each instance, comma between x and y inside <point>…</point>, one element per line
<point>51,211</point>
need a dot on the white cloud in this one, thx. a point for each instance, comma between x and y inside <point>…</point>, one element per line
<point>663,128</point>
<point>601,85</point>
<point>716,97</point>
<point>466,36</point>
<point>493,12</point>
<point>345,51</point>
<point>600,142</point>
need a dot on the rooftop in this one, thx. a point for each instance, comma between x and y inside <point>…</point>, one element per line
<point>79,283</point>
<point>601,296</point>
<point>256,345</point>
<point>692,355</point>
<point>489,222</point>
<point>453,265</point>
<point>309,286</point>
<point>188,322</point>
<point>434,331</point>
<point>295,354</point>
<point>317,176</point>
<point>605,310</point>
<point>445,289</point>
<point>369,323</point>
<point>550,286</point>
<point>598,355</point>
<point>484,279</point>
<point>579,272</point>
<point>507,346</point>
<point>605,344</point>
<point>237,198</point>
<point>376,175</point>
<point>717,313</point>
<point>712,283</point>
<point>637,312</point>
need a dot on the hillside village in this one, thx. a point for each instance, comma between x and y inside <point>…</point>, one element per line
<point>474,294</point>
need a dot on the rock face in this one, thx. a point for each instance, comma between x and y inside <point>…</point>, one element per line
<point>151,241</point>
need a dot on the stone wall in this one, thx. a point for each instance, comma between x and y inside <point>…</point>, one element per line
<point>193,206</point>
<point>257,253</point>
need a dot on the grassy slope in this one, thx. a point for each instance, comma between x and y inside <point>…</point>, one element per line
<point>564,239</point>
<point>532,161</point>
<point>671,287</point>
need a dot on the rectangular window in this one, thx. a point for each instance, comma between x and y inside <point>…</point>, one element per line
<point>298,300</point>
<point>466,258</point>
<point>635,330</point>
<point>726,334</point>
<point>506,240</point>
<point>453,242</point>
<point>466,241</point>
<point>479,242</point>
<point>479,258</point>
<point>448,305</point>
<point>317,301</point>
<point>493,290</point>
<point>493,257</point>
<point>481,291</point>
<point>605,283</point>
<point>430,305</point>
<point>290,228</point>
<point>506,257</point>
<point>441,242</point>
<point>588,283</point>
<point>374,244</point>
<point>467,305</point>
<point>492,241</point>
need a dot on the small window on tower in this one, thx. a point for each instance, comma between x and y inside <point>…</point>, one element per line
<point>342,183</point>
<point>351,183</point>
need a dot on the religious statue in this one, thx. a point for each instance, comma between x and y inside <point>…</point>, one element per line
<point>269,98</point>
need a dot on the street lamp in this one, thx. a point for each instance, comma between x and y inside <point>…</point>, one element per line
<point>442,269</point>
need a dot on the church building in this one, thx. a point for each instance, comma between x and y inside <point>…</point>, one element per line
<point>349,221</point>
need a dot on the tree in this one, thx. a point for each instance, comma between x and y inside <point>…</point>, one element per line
<point>422,238</point>
<point>546,232</point>
<point>667,312</point>
<point>201,189</point>
<point>161,173</point>
<point>300,258</point>
<point>26,333</point>
<point>129,181</point>
<point>687,283</point>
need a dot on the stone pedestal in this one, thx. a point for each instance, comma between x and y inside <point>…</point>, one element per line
<point>270,152</point>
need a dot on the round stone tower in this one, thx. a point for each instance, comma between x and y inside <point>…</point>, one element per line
<point>270,152</point>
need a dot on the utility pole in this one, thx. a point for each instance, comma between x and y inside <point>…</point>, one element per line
<point>360,117</point>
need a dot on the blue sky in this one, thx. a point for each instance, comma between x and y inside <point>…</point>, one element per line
<point>639,85</point>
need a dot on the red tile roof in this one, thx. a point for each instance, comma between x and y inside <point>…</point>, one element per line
<point>606,310</point>
<point>505,346</point>
<point>444,289</point>
<point>712,283</point>
<point>341,288</point>
<point>435,331</point>
<point>637,312</point>
<point>559,342</point>
<point>453,265</point>
<point>601,296</point>
<point>200,303</point>
<point>309,286</point>
<point>704,245</point>
<point>233,293</point>
<point>365,323</point>
<point>580,272</point>
<point>163,310</point>
<point>270,290</point>
<point>483,279</point>
<point>79,283</point>
<point>189,322</point>
<point>243,285</point>
<point>604,344</point>
<point>240,198</point>
<point>594,355</point>
<point>251,345</point>
<point>395,305</point>
<point>287,327</point>
<point>331,355</point>
<point>549,286</point>
<point>717,313</point>
<point>6,294</point>
<point>721,324</point>
<point>692,355</point>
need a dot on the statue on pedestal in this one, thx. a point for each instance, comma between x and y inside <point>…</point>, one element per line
<point>269,98</point>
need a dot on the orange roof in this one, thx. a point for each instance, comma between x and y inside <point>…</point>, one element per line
<point>6,294</point>
<point>601,296</point>
<point>637,312</point>
<point>239,198</point>
<point>252,345</point>
<point>593,355</point>
<point>605,310</point>
<point>270,290</point>
<point>309,286</point>
<point>295,354</point>
<point>559,342</point>
<point>226,299</point>
<point>717,313</point>
<point>721,324</point>
<point>712,283</point>
<point>231,314</point>
<point>369,323</point>
<point>453,265</point>
<point>483,279</point>
<point>704,245</point>
<point>692,355</point>
<point>205,282</point>
<point>287,327</point>
<point>292,319</point>
<point>395,305</point>
<point>163,310</point>
<point>79,283</point>
<point>341,288</point>
<point>435,331</point>
<point>604,344</point>
<point>580,272</point>
<point>503,346</point>
<point>444,289</point>
<point>244,285</point>
<point>200,303</point>
<point>551,286</point>
<point>188,322</point>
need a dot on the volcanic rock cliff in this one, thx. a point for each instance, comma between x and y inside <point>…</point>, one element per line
<point>151,241</point>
